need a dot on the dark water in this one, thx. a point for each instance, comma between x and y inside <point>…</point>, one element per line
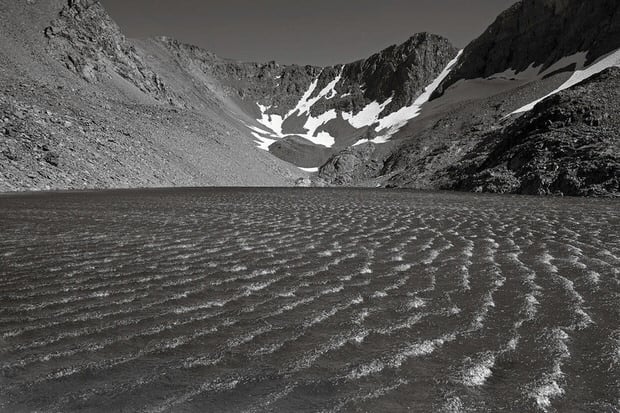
<point>308,300</point>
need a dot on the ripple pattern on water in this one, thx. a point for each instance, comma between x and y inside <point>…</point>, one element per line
<point>315,300</point>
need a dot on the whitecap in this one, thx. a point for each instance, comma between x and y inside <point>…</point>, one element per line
<point>479,371</point>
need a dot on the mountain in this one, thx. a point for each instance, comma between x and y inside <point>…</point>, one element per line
<point>82,106</point>
<point>305,114</point>
<point>532,52</point>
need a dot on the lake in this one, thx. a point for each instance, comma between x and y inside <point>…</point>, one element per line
<point>252,300</point>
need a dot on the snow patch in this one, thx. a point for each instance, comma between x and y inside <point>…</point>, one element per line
<point>312,124</point>
<point>367,116</point>
<point>274,123</point>
<point>330,89</point>
<point>263,142</point>
<point>271,122</point>
<point>535,72</point>
<point>396,120</point>
<point>305,103</point>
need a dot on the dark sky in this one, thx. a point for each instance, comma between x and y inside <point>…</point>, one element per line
<point>319,32</point>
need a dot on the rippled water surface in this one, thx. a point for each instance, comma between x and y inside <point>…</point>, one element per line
<point>308,300</point>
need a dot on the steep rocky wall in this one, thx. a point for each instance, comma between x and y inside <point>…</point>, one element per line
<point>247,80</point>
<point>540,32</point>
<point>401,72</point>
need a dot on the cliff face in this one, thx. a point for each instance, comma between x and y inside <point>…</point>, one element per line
<point>271,83</point>
<point>398,72</point>
<point>539,33</point>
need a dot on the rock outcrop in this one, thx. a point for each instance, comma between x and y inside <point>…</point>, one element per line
<point>350,166</point>
<point>568,145</point>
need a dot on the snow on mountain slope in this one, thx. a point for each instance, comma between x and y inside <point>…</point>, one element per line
<point>539,33</point>
<point>536,50</point>
<point>274,123</point>
<point>534,72</point>
<point>611,60</point>
<point>312,112</point>
<point>348,104</point>
<point>393,122</point>
<point>534,81</point>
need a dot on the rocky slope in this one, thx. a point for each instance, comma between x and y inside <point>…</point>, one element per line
<point>89,43</point>
<point>82,107</point>
<point>569,144</point>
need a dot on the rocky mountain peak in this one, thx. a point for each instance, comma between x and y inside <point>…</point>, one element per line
<point>401,72</point>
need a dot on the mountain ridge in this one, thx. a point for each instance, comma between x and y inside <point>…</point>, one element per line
<point>535,33</point>
<point>393,77</point>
